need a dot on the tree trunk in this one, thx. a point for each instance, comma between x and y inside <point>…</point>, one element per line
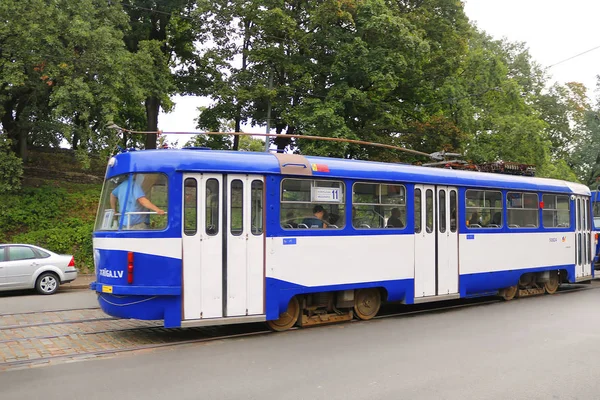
<point>23,145</point>
<point>238,128</point>
<point>152,109</point>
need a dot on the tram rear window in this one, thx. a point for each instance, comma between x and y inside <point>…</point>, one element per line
<point>133,202</point>
<point>312,204</point>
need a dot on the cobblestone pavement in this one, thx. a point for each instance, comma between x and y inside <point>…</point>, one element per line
<point>34,336</point>
<point>37,339</point>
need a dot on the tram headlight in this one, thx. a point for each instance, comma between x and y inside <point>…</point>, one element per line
<point>112,162</point>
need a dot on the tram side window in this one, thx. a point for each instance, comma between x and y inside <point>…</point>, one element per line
<point>418,216</point>
<point>129,202</point>
<point>378,205</point>
<point>522,209</point>
<point>312,204</point>
<point>257,207</point>
<point>190,207</point>
<point>556,211</point>
<point>484,209</point>
<point>237,207</point>
<point>212,207</point>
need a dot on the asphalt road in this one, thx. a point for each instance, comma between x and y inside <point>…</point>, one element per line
<point>29,301</point>
<point>534,348</point>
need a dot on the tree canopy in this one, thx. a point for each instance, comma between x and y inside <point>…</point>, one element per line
<point>412,73</point>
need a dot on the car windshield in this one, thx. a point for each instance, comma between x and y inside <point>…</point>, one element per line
<point>132,202</point>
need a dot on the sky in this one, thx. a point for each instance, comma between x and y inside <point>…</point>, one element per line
<point>552,30</point>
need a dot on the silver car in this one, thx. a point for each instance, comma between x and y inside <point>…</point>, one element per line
<point>23,266</point>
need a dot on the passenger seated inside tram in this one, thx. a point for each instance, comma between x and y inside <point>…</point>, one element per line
<point>289,220</point>
<point>394,221</point>
<point>497,219</point>
<point>316,221</point>
<point>332,220</point>
<point>474,219</point>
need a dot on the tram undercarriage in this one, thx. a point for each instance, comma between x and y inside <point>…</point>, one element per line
<point>364,304</point>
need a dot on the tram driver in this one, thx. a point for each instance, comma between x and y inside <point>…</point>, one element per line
<point>133,200</point>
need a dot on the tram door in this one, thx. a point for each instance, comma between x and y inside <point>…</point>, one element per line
<point>223,245</point>
<point>583,237</point>
<point>436,241</point>
<point>244,245</point>
<point>202,239</point>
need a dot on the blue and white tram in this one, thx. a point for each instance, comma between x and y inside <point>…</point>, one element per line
<point>295,240</point>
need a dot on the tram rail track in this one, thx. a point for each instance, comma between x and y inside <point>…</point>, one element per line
<point>48,311</point>
<point>159,337</point>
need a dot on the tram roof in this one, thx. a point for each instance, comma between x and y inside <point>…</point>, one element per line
<point>222,161</point>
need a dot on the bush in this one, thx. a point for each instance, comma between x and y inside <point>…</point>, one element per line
<point>60,219</point>
<point>63,239</point>
<point>11,168</point>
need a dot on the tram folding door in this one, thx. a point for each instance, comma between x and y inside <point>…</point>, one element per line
<point>245,245</point>
<point>584,242</point>
<point>202,240</point>
<point>436,241</point>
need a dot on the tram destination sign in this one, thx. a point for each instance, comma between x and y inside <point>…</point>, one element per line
<point>326,195</point>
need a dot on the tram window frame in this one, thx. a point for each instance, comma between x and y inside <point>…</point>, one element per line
<point>256,207</point>
<point>442,210</point>
<point>554,214</point>
<point>517,207</point>
<point>418,210</point>
<point>297,206</point>
<point>429,210</point>
<point>212,203</point>
<point>453,210</point>
<point>155,188</point>
<point>369,207</point>
<point>190,206</point>
<point>483,210</point>
<point>236,207</point>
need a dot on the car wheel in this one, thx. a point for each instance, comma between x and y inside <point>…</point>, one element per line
<point>47,283</point>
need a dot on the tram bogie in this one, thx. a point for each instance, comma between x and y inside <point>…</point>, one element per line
<point>302,241</point>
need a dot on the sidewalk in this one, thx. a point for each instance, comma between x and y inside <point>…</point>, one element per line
<point>82,282</point>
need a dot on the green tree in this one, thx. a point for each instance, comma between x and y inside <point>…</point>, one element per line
<point>63,68</point>
<point>163,36</point>
<point>11,167</point>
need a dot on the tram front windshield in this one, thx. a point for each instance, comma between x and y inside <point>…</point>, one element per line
<point>122,203</point>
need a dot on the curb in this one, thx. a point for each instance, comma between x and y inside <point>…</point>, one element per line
<point>81,282</point>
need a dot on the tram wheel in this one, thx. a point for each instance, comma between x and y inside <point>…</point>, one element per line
<point>552,284</point>
<point>367,303</point>
<point>288,318</point>
<point>509,293</point>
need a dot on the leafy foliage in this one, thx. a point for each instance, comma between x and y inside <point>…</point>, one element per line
<point>60,219</point>
<point>11,168</point>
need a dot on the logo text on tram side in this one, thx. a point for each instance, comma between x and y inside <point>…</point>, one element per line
<point>108,273</point>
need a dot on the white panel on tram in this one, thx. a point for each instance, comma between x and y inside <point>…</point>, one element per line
<point>256,245</point>
<point>202,249</point>
<point>212,247</point>
<point>447,241</point>
<point>245,246</point>
<point>424,241</point>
